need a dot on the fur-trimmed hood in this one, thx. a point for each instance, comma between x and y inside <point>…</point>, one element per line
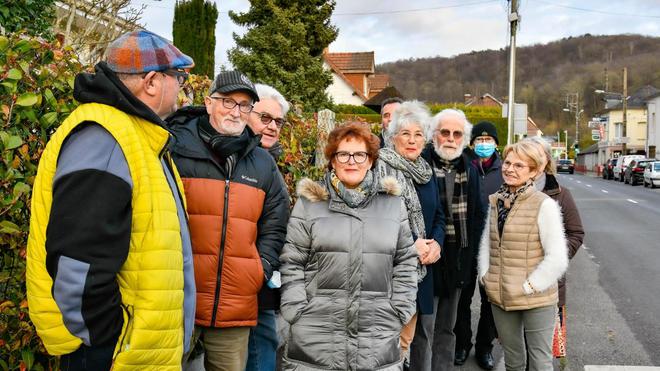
<point>317,191</point>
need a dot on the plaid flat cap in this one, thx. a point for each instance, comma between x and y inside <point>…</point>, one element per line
<point>144,51</point>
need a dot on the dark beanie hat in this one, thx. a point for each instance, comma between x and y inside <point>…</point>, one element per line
<point>482,129</point>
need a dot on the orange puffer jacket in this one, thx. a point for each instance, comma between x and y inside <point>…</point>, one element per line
<point>237,222</point>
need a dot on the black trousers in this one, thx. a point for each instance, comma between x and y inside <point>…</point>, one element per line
<point>97,358</point>
<point>486,331</point>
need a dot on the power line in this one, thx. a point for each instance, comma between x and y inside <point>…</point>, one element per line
<point>598,11</point>
<point>399,11</point>
<point>417,9</point>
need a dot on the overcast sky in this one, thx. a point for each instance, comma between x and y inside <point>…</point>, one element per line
<point>425,28</point>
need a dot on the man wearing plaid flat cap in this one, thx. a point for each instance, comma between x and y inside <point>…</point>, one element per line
<point>110,279</point>
<point>239,209</point>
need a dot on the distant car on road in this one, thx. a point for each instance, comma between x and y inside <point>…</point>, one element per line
<point>635,171</point>
<point>608,167</point>
<point>565,166</point>
<point>620,168</point>
<point>652,174</point>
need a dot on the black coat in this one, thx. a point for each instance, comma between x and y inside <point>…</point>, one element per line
<point>453,269</point>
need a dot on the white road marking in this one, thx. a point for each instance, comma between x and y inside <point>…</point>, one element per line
<point>633,201</point>
<point>579,181</point>
<point>604,191</point>
<point>589,185</point>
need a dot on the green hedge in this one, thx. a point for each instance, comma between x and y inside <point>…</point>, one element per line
<point>36,86</point>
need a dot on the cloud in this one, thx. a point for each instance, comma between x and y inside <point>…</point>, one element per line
<point>449,31</point>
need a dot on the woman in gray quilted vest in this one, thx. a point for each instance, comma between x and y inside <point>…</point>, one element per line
<point>522,255</point>
<point>349,276</point>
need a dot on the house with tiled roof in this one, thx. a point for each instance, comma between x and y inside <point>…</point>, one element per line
<point>354,78</point>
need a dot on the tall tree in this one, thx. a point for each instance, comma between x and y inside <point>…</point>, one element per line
<point>34,16</point>
<point>283,47</point>
<point>194,33</point>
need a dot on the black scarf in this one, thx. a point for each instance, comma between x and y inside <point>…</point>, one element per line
<point>224,147</point>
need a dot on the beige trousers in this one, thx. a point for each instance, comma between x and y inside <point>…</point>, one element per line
<point>407,335</point>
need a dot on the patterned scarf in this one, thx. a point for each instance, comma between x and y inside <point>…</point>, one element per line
<point>407,173</point>
<point>456,230</point>
<point>505,201</point>
<point>356,196</point>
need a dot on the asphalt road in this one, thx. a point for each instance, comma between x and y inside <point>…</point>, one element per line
<point>613,299</point>
<point>622,225</point>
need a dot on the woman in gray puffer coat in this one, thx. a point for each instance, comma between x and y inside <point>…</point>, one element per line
<point>349,278</point>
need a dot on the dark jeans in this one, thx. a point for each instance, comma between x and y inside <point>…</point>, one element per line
<point>444,341</point>
<point>486,331</point>
<point>97,358</point>
<point>262,345</point>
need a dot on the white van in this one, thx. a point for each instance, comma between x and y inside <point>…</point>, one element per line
<point>622,164</point>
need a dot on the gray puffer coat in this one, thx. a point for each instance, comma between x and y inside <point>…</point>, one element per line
<point>349,280</point>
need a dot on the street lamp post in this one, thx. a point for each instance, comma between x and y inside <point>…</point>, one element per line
<point>624,108</point>
<point>566,139</point>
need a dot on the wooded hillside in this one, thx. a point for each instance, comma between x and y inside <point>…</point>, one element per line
<point>545,74</point>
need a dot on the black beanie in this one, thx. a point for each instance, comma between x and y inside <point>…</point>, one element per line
<point>482,129</point>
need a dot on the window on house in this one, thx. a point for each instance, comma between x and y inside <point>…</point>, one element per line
<point>618,130</point>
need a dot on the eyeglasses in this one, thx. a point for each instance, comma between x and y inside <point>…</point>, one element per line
<point>266,119</point>
<point>359,157</point>
<point>445,133</point>
<point>229,103</point>
<point>407,136</point>
<point>518,166</point>
<point>180,75</point>
<point>484,140</point>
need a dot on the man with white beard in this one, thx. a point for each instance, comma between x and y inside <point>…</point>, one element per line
<point>460,194</point>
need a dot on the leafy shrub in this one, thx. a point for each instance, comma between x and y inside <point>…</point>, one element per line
<point>349,108</point>
<point>36,85</point>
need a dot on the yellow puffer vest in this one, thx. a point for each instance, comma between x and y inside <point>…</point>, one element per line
<point>517,255</point>
<point>151,280</point>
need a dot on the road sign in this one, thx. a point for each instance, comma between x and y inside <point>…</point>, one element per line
<point>595,137</point>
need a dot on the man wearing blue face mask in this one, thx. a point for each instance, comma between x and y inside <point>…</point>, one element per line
<point>488,165</point>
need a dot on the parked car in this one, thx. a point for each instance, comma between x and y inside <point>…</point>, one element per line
<point>620,168</point>
<point>566,166</point>
<point>652,174</point>
<point>608,167</point>
<point>635,171</point>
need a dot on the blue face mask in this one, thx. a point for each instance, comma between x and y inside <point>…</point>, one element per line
<point>484,150</point>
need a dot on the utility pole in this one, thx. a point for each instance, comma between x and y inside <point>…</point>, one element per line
<point>624,104</point>
<point>573,105</point>
<point>514,18</point>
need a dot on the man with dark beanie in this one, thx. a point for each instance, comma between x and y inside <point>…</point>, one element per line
<point>488,165</point>
<point>238,210</point>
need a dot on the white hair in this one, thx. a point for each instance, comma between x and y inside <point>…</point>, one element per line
<point>268,92</point>
<point>409,112</point>
<point>436,123</point>
<point>442,115</point>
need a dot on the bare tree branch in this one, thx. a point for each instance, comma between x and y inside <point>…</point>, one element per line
<point>92,24</point>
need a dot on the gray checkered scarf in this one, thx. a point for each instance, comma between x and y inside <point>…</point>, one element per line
<point>407,173</point>
<point>456,230</point>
